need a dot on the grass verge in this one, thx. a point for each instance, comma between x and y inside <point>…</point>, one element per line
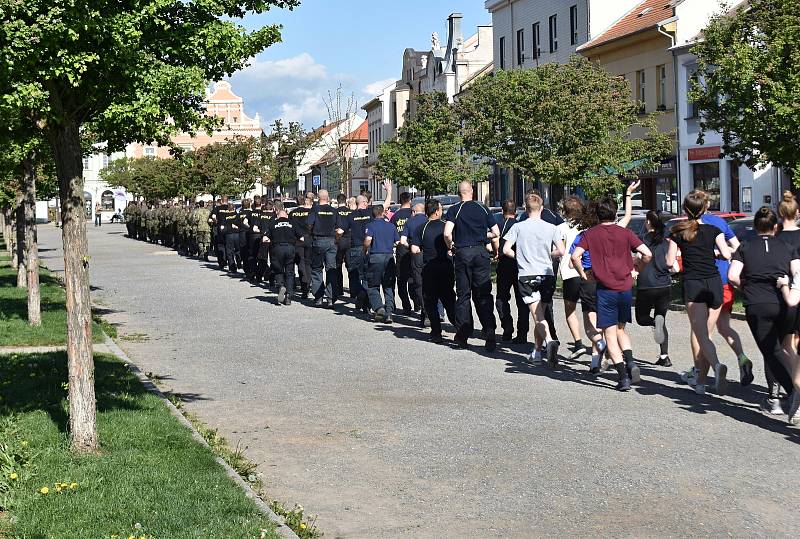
<point>150,479</point>
<point>14,328</point>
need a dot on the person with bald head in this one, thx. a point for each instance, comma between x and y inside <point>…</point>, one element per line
<point>354,227</point>
<point>323,221</point>
<point>343,208</point>
<point>469,225</point>
<point>299,218</point>
<point>417,219</point>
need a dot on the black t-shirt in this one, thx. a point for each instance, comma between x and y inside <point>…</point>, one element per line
<point>356,224</point>
<point>282,231</point>
<point>255,222</point>
<point>215,212</point>
<point>400,218</point>
<point>792,239</point>
<point>472,221</point>
<point>656,273</point>
<point>343,212</point>
<point>299,217</point>
<point>322,221</point>
<point>246,214</point>
<point>227,219</point>
<point>699,260</point>
<point>429,237</point>
<point>765,258</point>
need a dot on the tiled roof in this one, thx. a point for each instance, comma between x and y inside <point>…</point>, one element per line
<point>330,126</point>
<point>361,134</point>
<point>643,16</point>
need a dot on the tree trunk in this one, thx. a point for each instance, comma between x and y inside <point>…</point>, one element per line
<point>19,247</point>
<point>31,243</point>
<point>82,406</point>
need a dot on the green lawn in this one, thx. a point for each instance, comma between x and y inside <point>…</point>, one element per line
<point>14,329</point>
<point>150,470</point>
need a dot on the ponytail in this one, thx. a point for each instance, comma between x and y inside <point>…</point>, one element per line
<point>695,205</point>
<point>788,208</point>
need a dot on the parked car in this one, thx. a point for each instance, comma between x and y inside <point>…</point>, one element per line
<point>638,221</point>
<point>743,228</point>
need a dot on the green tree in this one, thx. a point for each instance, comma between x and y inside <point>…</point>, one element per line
<point>571,124</point>
<point>227,168</point>
<point>121,72</point>
<point>288,143</point>
<point>748,82</point>
<point>428,152</point>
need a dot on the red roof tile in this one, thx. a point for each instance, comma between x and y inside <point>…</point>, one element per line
<point>361,134</point>
<point>643,16</point>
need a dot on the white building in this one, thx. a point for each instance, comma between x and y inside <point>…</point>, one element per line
<point>329,136</point>
<point>732,186</point>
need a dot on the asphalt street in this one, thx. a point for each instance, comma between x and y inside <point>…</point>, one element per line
<point>383,434</point>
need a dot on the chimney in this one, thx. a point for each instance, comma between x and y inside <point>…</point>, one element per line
<point>454,37</point>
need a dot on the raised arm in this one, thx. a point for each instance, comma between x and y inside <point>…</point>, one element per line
<point>387,186</point>
<point>625,221</point>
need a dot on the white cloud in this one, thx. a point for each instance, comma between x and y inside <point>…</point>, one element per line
<point>300,67</point>
<point>377,87</point>
<point>310,111</point>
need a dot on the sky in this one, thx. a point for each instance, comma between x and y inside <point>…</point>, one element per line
<point>357,44</point>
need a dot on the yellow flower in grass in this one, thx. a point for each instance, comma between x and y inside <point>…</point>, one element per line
<point>24,444</point>
<point>303,526</point>
<point>44,490</point>
<point>13,476</point>
<point>58,488</point>
<point>73,486</point>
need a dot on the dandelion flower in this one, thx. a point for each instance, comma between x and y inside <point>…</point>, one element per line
<point>58,488</point>
<point>73,486</point>
<point>131,537</point>
<point>13,476</point>
<point>303,526</point>
<point>24,444</point>
<point>44,490</point>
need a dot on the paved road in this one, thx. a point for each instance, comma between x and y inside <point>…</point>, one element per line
<point>385,435</point>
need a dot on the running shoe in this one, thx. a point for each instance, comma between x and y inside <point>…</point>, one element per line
<point>771,406</point>
<point>720,382</point>
<point>658,332</point>
<point>491,344</point>
<point>379,314</point>
<point>634,373</point>
<point>745,372</point>
<point>689,376</point>
<point>535,357</point>
<point>664,361</point>
<point>282,294</point>
<point>700,389</point>
<point>551,350</point>
<point>578,349</point>
<point>794,407</point>
<point>624,384</point>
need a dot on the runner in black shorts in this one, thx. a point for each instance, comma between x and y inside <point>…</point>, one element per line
<point>702,286</point>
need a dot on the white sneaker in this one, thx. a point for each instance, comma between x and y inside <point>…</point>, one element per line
<point>535,357</point>
<point>771,406</point>
<point>720,382</point>
<point>700,389</point>
<point>794,408</point>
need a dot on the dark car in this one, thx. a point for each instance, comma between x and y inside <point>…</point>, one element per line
<point>637,224</point>
<point>743,228</point>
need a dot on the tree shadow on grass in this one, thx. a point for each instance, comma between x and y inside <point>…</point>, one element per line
<point>30,382</point>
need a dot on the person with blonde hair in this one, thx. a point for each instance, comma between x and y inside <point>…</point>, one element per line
<point>702,286</point>
<point>572,210</point>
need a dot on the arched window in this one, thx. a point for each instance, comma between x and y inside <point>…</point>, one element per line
<point>107,201</point>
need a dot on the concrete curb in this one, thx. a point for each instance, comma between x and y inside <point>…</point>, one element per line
<point>283,530</point>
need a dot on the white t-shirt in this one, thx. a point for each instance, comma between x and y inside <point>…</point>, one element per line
<point>568,233</point>
<point>534,239</point>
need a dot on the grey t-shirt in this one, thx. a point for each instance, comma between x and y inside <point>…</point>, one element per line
<point>534,239</point>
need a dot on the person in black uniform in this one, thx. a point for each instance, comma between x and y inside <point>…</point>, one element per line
<point>508,279</point>
<point>343,209</point>
<point>402,253</point>
<point>354,226</point>
<point>219,236</point>
<point>469,225</point>
<point>380,238</point>
<point>417,219</point>
<point>299,217</point>
<point>263,270</point>
<point>254,236</point>
<point>322,222</point>
<point>245,216</point>
<point>438,276</point>
<point>283,236</point>
<point>230,226</point>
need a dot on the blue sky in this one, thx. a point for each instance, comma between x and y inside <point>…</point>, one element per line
<point>356,43</point>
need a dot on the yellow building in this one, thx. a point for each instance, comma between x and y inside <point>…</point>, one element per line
<point>637,46</point>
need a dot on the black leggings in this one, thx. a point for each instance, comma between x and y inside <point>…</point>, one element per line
<point>769,325</point>
<point>656,300</point>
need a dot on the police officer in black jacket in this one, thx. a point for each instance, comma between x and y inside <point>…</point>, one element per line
<point>322,222</point>
<point>282,236</point>
<point>402,253</point>
<point>245,217</point>
<point>343,208</point>
<point>230,226</point>
<point>254,236</point>
<point>218,237</point>
<point>469,225</point>
<point>299,217</point>
<point>263,270</point>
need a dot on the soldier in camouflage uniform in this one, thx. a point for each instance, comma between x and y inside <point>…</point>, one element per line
<point>130,218</point>
<point>203,234</point>
<point>182,243</point>
<point>152,224</point>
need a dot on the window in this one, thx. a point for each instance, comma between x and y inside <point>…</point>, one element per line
<point>537,41</point>
<point>641,90</point>
<point>573,25</point>
<point>662,87</point>
<point>520,47</point>
<point>502,53</point>
<point>706,177</point>
<point>553,33</point>
<point>107,201</point>
<point>105,160</point>
<point>149,151</point>
<point>363,186</point>
<point>692,79</point>
<point>86,163</point>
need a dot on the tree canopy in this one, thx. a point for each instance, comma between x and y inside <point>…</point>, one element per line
<point>748,82</point>
<point>428,151</point>
<point>571,124</point>
<point>286,146</point>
